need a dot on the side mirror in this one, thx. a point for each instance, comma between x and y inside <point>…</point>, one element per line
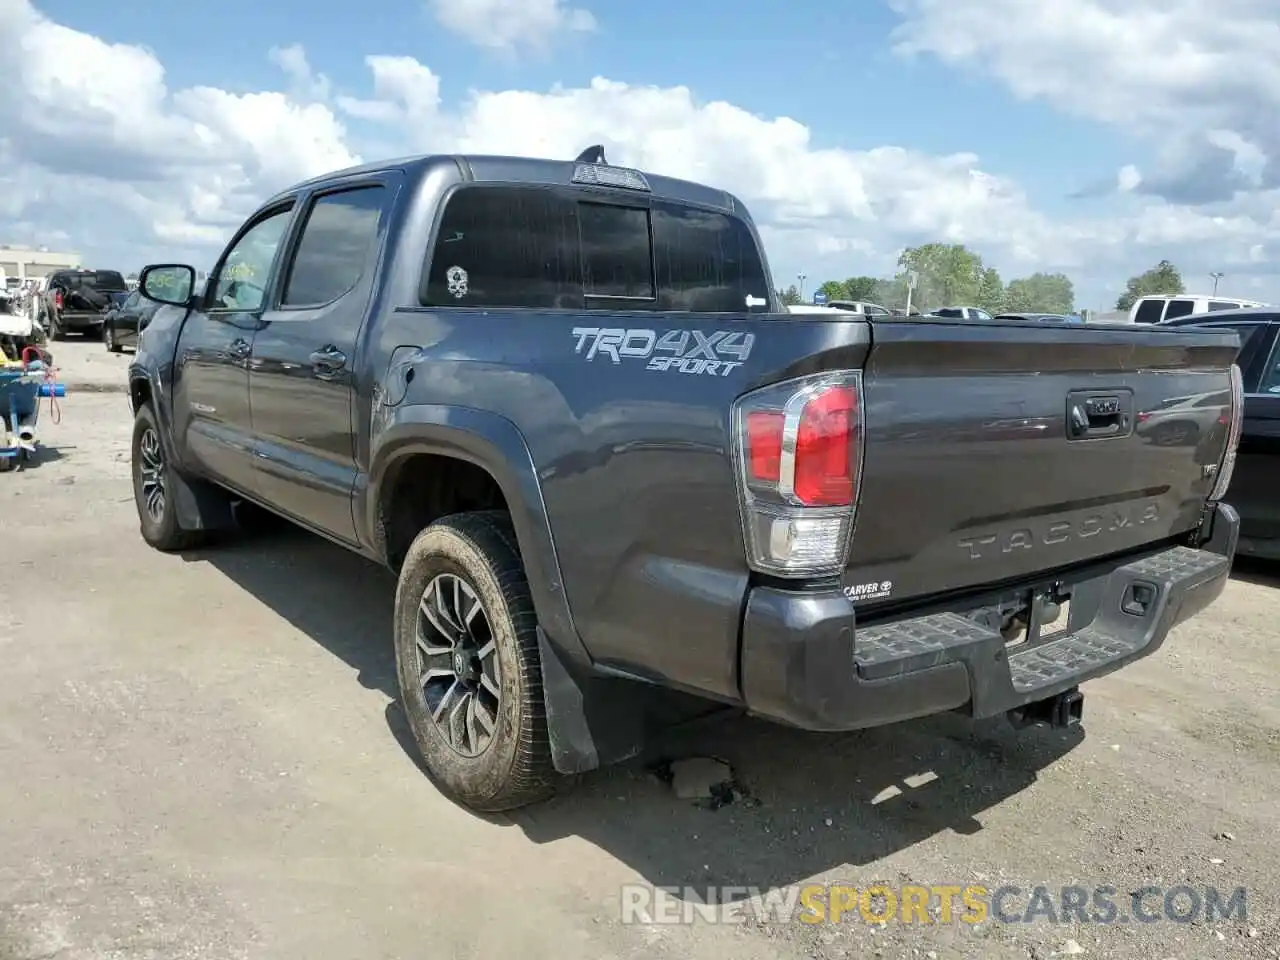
<point>171,283</point>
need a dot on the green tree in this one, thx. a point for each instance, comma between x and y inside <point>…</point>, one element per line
<point>835,290</point>
<point>1041,293</point>
<point>947,274</point>
<point>990,291</point>
<point>1162,279</point>
<point>790,296</point>
<point>891,292</point>
<point>859,288</point>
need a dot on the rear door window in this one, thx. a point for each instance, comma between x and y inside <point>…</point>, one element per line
<point>1180,308</point>
<point>334,247</point>
<point>1149,311</point>
<point>1215,305</point>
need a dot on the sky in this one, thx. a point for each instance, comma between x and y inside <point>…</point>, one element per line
<point>1091,137</point>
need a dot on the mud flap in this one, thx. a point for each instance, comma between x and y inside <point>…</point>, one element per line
<point>592,721</point>
<point>199,506</point>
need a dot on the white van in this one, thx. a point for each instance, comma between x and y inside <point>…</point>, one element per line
<point>1159,309</point>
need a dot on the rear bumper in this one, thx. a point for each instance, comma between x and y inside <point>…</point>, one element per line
<point>80,321</point>
<point>807,664</point>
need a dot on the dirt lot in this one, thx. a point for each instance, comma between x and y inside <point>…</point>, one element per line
<point>201,756</point>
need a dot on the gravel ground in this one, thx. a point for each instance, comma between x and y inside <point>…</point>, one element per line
<point>202,756</point>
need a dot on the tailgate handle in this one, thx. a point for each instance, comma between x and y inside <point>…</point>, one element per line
<point>1097,415</point>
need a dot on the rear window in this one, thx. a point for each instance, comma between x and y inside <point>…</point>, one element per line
<point>518,246</point>
<point>1222,305</point>
<point>1149,311</point>
<point>1179,308</point>
<point>104,280</point>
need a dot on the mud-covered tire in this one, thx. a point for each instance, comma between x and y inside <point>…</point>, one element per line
<point>159,528</point>
<point>515,767</point>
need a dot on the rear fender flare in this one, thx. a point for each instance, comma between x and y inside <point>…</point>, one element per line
<point>495,444</point>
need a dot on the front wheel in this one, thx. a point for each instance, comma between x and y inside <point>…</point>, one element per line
<point>467,660</point>
<point>109,338</point>
<point>153,487</point>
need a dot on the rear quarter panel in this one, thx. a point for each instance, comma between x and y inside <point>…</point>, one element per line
<point>632,456</point>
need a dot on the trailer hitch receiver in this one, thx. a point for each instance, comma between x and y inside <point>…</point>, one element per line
<point>1066,709</point>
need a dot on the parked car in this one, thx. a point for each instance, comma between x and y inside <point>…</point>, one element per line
<point>126,320</point>
<point>1165,308</point>
<point>75,301</point>
<point>1255,484</point>
<point>601,457</point>
<point>961,313</point>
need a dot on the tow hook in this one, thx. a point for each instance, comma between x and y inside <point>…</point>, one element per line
<point>1061,711</point>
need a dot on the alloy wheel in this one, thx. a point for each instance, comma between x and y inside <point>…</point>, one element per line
<point>151,469</point>
<point>458,665</point>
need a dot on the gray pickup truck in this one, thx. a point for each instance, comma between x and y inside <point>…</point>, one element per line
<point>562,401</point>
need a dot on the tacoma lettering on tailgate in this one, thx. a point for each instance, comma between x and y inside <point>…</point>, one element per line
<point>1061,531</point>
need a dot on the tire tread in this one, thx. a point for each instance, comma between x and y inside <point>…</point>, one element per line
<point>532,776</point>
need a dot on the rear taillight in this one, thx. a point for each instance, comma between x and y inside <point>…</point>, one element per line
<point>57,299</point>
<point>798,452</point>
<point>1228,465</point>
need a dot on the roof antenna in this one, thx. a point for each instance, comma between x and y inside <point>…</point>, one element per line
<point>593,154</point>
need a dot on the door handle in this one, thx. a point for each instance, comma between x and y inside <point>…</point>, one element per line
<point>328,360</point>
<point>240,348</point>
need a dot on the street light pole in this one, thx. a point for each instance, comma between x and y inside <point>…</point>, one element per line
<point>1216,277</point>
<point>801,277</point>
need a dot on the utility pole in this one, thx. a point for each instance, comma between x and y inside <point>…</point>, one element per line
<point>1216,277</point>
<point>801,277</point>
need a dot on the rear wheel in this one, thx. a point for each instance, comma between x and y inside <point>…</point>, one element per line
<point>467,659</point>
<point>109,338</point>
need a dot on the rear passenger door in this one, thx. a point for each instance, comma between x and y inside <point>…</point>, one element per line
<point>305,361</point>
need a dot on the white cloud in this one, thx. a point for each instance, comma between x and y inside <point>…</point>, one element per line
<point>173,171</point>
<point>511,24</point>
<point>1198,81</point>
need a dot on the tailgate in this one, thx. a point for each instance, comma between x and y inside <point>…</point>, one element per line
<point>997,451</point>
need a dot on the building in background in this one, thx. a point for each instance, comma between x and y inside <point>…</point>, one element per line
<point>28,263</point>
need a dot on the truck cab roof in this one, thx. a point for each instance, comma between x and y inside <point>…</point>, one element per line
<point>482,168</point>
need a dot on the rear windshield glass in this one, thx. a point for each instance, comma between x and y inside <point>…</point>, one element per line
<point>519,246</point>
<point>105,280</point>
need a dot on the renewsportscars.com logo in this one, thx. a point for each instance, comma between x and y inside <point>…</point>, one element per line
<point>940,903</point>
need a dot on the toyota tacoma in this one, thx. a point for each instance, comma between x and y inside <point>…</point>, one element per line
<point>562,401</point>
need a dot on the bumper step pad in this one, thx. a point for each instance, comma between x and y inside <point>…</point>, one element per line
<point>889,650</point>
